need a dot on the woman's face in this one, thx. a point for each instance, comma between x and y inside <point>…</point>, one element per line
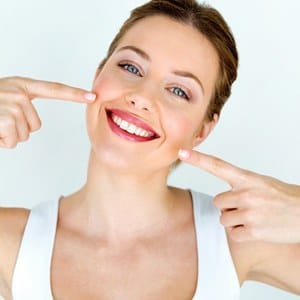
<point>152,95</point>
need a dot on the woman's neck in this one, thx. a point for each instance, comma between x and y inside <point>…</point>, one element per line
<point>123,205</point>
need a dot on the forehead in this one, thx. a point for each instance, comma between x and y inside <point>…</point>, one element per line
<point>175,45</point>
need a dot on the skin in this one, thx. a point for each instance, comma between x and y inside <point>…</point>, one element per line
<point>105,222</point>
<point>125,217</point>
<point>18,116</point>
<point>253,199</point>
<point>150,98</point>
<point>261,216</point>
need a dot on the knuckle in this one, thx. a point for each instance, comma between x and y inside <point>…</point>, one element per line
<point>20,98</point>
<point>10,144</point>
<point>8,132</point>
<point>13,90</point>
<point>223,219</point>
<point>7,123</point>
<point>24,137</point>
<point>216,201</point>
<point>250,217</point>
<point>16,110</point>
<point>13,145</point>
<point>36,124</point>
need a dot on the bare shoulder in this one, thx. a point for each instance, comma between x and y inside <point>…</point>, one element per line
<point>12,225</point>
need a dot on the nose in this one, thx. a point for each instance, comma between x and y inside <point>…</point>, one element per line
<point>139,105</point>
<point>142,100</point>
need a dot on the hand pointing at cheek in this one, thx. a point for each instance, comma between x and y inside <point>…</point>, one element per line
<point>18,116</point>
<point>257,207</point>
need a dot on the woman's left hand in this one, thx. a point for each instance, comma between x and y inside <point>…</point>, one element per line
<point>257,207</point>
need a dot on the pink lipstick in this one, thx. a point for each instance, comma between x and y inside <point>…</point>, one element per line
<point>129,127</point>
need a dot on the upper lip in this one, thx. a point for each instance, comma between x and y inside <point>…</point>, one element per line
<point>130,118</point>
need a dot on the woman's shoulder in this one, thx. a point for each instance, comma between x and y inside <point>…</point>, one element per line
<point>12,222</point>
<point>12,225</point>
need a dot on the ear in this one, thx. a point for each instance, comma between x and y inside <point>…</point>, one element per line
<point>205,130</point>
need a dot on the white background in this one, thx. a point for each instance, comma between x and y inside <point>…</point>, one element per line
<point>63,40</point>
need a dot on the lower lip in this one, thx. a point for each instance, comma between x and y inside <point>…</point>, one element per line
<point>124,134</point>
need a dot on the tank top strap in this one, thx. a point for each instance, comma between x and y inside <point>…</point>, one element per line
<point>32,278</point>
<point>217,277</point>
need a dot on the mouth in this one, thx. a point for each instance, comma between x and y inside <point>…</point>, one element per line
<point>129,127</point>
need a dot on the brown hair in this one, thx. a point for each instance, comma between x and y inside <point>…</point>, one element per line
<point>207,21</point>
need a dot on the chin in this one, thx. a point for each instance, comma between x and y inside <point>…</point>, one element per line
<point>129,163</point>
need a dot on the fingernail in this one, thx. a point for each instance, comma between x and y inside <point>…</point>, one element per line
<point>184,154</point>
<point>90,96</point>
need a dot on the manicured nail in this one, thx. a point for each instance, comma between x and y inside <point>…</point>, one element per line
<point>90,97</point>
<point>184,154</point>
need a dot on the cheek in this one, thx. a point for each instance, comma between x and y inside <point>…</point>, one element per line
<point>106,87</point>
<point>181,130</point>
<point>103,87</point>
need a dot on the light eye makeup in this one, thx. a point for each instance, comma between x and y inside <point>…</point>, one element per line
<point>177,91</point>
<point>130,68</point>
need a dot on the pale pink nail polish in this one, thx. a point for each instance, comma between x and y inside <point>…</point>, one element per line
<point>184,154</point>
<point>90,96</point>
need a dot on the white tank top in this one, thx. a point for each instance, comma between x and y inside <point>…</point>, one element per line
<point>217,277</point>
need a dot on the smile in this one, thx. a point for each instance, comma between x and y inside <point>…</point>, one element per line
<point>129,127</point>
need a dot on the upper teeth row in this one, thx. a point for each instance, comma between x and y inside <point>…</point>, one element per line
<point>131,128</point>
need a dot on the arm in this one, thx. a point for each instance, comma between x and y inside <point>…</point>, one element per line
<point>277,265</point>
<point>12,225</point>
<point>18,118</point>
<point>262,220</point>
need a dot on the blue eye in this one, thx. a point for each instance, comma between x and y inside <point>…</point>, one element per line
<point>130,68</point>
<point>179,92</point>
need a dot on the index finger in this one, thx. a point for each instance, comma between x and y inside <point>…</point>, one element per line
<point>216,166</point>
<point>54,90</point>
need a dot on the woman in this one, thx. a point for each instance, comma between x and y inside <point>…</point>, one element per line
<point>125,234</point>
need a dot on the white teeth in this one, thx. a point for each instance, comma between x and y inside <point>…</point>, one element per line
<point>131,128</point>
<point>117,120</point>
<point>124,125</point>
<point>138,131</point>
<point>144,133</point>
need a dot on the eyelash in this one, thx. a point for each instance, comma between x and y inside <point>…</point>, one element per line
<point>128,66</point>
<point>181,91</point>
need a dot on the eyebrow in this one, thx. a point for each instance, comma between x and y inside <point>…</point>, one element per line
<point>190,75</point>
<point>138,51</point>
<point>145,56</point>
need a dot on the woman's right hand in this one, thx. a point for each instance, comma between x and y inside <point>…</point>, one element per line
<point>18,117</point>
